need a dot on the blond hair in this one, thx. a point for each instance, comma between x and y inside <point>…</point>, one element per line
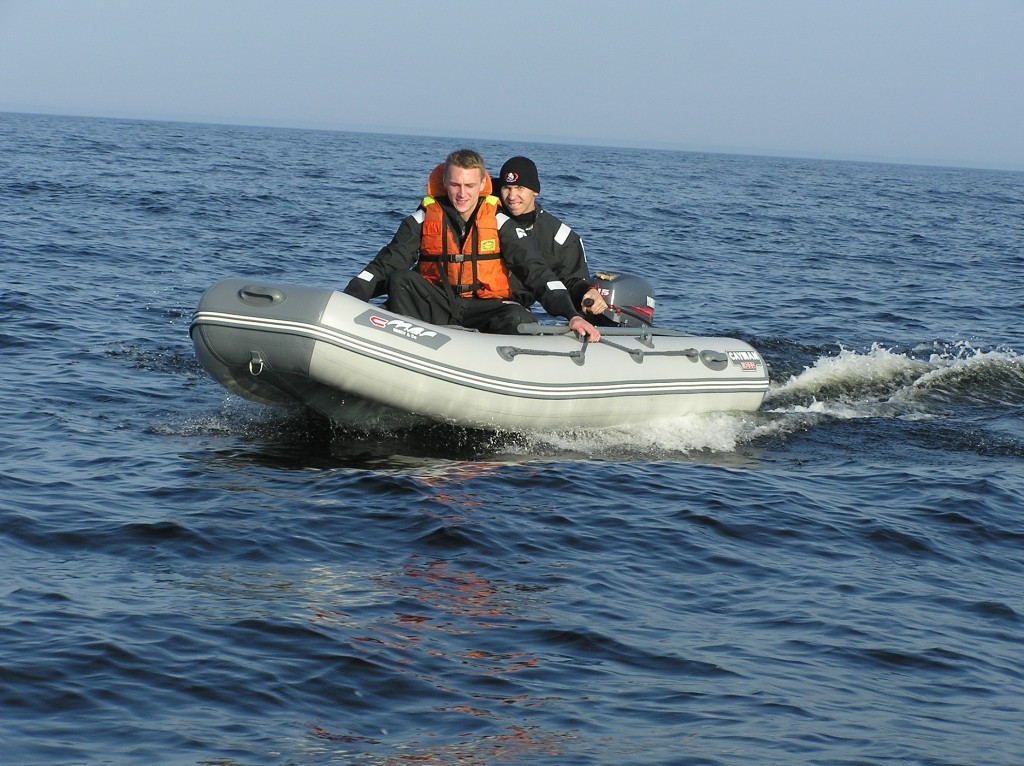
<point>466,159</point>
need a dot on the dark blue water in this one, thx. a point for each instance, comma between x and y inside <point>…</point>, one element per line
<point>189,578</point>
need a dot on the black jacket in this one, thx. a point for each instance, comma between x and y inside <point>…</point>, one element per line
<point>528,271</point>
<point>562,249</point>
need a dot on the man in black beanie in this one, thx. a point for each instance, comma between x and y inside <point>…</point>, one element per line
<point>519,184</point>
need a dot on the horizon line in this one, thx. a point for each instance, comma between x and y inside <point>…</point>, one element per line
<point>607,143</point>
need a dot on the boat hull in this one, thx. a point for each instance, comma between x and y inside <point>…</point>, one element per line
<point>350,360</point>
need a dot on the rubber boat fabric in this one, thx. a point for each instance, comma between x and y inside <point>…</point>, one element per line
<point>294,345</point>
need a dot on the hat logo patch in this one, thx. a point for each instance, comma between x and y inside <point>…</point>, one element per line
<point>511,177</point>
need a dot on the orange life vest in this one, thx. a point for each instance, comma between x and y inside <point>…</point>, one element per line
<point>476,270</point>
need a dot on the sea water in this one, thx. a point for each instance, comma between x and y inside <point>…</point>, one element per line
<point>190,578</point>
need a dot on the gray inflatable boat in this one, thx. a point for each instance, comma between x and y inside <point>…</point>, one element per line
<point>293,345</point>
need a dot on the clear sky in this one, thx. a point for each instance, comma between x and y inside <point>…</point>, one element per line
<point>922,81</point>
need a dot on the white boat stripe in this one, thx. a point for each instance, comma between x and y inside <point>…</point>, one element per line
<point>464,377</point>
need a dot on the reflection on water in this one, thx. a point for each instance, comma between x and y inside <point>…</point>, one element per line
<point>430,619</point>
<point>517,744</point>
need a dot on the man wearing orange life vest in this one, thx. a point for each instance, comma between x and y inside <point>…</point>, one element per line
<point>449,262</point>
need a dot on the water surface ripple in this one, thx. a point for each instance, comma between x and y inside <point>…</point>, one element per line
<point>195,579</point>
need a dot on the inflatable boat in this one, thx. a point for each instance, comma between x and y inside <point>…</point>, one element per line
<point>350,360</point>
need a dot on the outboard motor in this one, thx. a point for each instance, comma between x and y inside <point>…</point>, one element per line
<point>630,300</point>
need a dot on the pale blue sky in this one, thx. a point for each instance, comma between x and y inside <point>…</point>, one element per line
<point>924,81</point>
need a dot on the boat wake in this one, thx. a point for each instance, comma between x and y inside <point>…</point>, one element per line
<point>927,383</point>
<point>933,386</point>
<point>921,383</point>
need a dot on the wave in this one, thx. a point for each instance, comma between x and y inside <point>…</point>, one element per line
<point>888,382</point>
<point>932,387</point>
<point>926,384</point>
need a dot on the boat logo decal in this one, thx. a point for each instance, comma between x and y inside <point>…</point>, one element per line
<point>745,360</point>
<point>404,328</point>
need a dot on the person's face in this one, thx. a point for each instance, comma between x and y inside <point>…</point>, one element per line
<point>464,186</point>
<point>518,200</point>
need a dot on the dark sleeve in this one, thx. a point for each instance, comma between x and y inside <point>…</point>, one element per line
<point>572,261</point>
<point>524,259</point>
<point>400,253</point>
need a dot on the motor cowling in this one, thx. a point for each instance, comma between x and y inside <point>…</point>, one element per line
<point>630,300</point>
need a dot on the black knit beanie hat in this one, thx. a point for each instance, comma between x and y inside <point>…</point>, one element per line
<point>519,171</point>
